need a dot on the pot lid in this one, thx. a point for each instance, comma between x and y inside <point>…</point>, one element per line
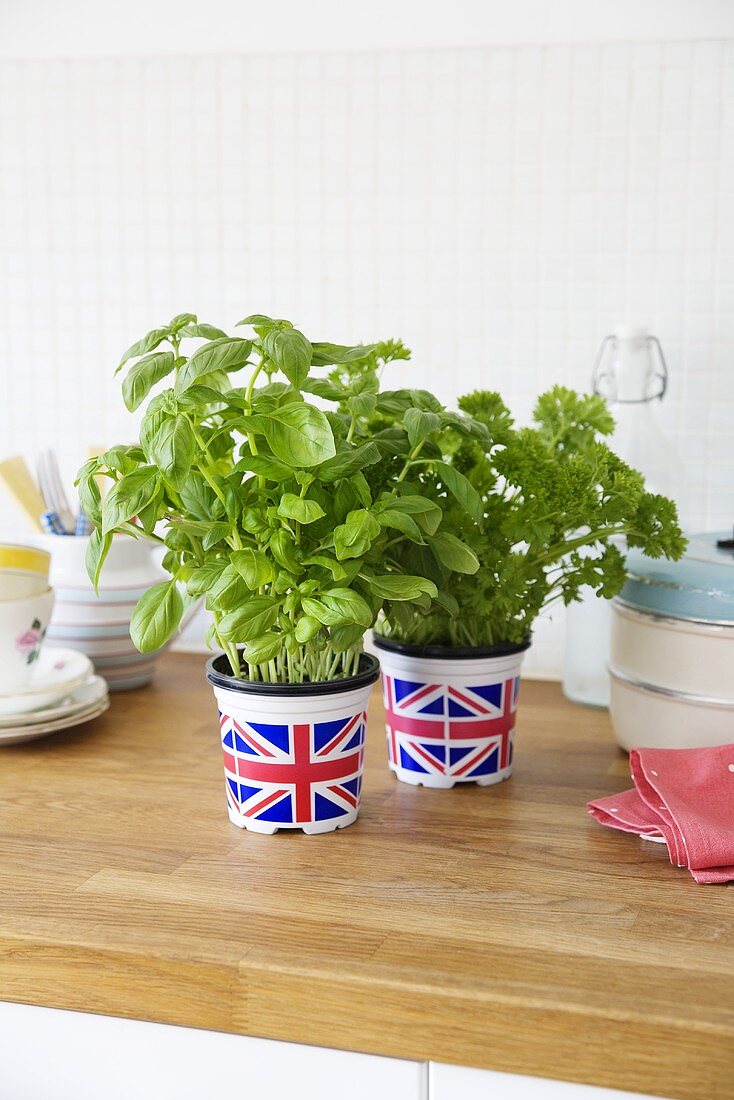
<point>700,586</point>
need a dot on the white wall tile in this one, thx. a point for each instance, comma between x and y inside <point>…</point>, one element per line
<point>500,209</point>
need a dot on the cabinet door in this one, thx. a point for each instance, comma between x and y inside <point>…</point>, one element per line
<point>60,1055</point>
<point>451,1082</point>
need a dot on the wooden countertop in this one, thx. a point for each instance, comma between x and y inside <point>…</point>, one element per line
<point>495,927</point>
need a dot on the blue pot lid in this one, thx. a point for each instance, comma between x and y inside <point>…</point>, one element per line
<point>699,587</point>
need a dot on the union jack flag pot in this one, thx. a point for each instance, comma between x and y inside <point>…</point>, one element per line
<point>293,753</point>
<point>450,713</point>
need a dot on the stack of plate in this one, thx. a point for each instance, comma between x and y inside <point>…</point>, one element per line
<point>62,692</point>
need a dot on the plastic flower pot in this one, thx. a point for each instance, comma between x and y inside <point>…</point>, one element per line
<point>450,713</point>
<point>293,753</point>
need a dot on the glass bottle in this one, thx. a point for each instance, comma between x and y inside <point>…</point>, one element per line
<point>631,373</point>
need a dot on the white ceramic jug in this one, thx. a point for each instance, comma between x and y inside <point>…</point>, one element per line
<point>99,625</point>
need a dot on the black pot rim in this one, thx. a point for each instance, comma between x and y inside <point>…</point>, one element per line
<point>369,670</point>
<point>451,653</point>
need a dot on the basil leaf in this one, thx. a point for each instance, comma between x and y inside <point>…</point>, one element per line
<point>395,586</point>
<point>354,537</point>
<point>453,553</point>
<point>428,514</point>
<point>259,320</point>
<point>228,591</point>
<point>264,466</point>
<point>249,621</point>
<point>172,449</point>
<point>205,576</point>
<point>253,567</point>
<point>298,434</point>
<point>181,319</point>
<point>208,332</point>
<point>420,424</point>
<point>264,649</point>
<point>156,616</point>
<point>143,375</point>
<point>224,354</point>
<point>282,548</point>
<point>299,508</point>
<point>307,628</point>
<point>349,606</point>
<point>128,496</point>
<point>291,352</point>
<point>216,533</point>
<point>462,489</point>
<point>393,517</point>
<point>94,558</point>
<point>150,341</point>
<point>343,638</point>
<point>348,462</point>
<point>325,354</point>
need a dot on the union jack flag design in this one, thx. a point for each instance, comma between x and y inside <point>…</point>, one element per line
<point>293,774</point>
<point>463,733</point>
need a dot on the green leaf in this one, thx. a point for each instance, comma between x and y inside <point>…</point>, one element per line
<point>349,606</point>
<point>264,466</point>
<point>349,461</point>
<point>253,618</point>
<point>396,586</point>
<point>172,449</point>
<point>259,320</point>
<point>97,550</point>
<point>354,537</point>
<point>205,576</point>
<point>156,616</point>
<point>181,319</point>
<point>264,649</point>
<point>224,354</point>
<point>462,489</point>
<point>420,424</point>
<point>291,352</point>
<point>343,638</point>
<point>282,547</point>
<point>150,341</point>
<point>393,517</point>
<point>228,591</point>
<point>453,553</point>
<point>325,354</point>
<point>307,628</point>
<point>207,332</point>
<point>361,405</point>
<point>300,508</point>
<point>198,497</point>
<point>298,434</point>
<point>216,533</point>
<point>128,496</point>
<point>428,514</point>
<point>337,571</point>
<point>253,567</point>
<point>90,497</point>
<point>143,375</point>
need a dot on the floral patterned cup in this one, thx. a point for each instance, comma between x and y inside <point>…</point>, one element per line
<point>23,622</point>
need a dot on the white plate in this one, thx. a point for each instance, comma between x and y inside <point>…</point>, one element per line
<point>16,734</point>
<point>85,697</point>
<point>57,673</point>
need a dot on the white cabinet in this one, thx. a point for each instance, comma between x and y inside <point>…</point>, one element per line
<point>52,1054</point>
<point>459,1083</point>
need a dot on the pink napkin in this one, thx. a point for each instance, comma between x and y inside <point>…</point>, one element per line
<point>684,797</point>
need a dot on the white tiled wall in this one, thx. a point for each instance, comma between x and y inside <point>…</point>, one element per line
<point>500,209</point>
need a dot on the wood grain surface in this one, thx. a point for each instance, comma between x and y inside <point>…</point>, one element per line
<point>496,927</point>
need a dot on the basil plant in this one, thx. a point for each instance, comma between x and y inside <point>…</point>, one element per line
<point>259,495</point>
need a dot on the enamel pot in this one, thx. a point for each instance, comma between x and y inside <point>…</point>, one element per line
<point>450,713</point>
<point>293,753</point>
<point>672,649</point>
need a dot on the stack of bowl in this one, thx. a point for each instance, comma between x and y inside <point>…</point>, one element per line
<point>42,689</point>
